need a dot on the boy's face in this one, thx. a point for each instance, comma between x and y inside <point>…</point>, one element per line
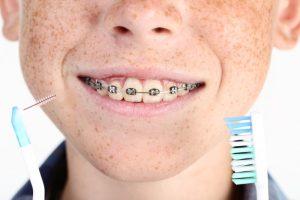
<point>226,43</point>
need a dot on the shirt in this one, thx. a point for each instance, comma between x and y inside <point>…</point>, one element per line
<point>54,174</point>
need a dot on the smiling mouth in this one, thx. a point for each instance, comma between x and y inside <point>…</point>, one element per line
<point>133,90</point>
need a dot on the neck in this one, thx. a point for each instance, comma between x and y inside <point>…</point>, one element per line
<point>207,178</point>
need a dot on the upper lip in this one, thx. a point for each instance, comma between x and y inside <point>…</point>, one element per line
<point>175,75</point>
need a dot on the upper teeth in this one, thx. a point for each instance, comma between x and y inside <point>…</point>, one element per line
<point>133,90</point>
<point>115,90</point>
<point>152,89</point>
<point>132,86</point>
<point>173,91</point>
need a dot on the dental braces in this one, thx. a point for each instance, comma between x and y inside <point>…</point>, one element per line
<point>97,85</point>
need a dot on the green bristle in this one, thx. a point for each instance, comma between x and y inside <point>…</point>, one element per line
<point>241,181</point>
<point>244,175</point>
<point>240,156</point>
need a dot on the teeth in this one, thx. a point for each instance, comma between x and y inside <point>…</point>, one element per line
<point>103,91</point>
<point>131,86</point>
<point>182,91</point>
<point>115,90</point>
<point>153,89</point>
<point>133,90</point>
<point>167,86</point>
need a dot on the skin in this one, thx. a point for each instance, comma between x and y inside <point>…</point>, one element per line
<point>179,155</point>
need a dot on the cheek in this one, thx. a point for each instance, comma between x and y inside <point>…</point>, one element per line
<point>240,35</point>
<point>46,36</point>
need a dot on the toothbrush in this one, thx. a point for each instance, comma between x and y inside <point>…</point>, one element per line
<point>248,152</point>
<point>27,149</point>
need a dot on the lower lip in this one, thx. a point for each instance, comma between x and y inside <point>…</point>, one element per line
<point>140,109</point>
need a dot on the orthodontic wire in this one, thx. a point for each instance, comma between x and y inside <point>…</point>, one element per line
<point>187,86</point>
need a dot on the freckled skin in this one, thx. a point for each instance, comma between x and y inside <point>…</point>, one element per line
<point>228,43</point>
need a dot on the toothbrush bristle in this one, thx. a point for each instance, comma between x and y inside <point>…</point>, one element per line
<point>242,151</point>
<point>42,101</point>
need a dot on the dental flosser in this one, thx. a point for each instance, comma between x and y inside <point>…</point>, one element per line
<point>27,149</point>
<point>248,152</point>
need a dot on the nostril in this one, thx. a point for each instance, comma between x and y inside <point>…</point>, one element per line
<point>121,30</point>
<point>161,30</point>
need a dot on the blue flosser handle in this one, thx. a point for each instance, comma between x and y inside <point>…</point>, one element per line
<point>19,127</point>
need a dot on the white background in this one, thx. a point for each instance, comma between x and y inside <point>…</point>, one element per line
<point>280,97</point>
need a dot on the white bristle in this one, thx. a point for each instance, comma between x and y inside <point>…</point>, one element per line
<point>243,168</point>
<point>243,143</point>
<point>235,163</point>
<point>45,100</point>
<point>241,137</point>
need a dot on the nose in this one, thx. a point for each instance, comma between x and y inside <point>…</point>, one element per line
<point>149,21</point>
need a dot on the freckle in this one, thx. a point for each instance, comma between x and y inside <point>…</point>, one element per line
<point>156,167</point>
<point>108,144</point>
<point>111,156</point>
<point>78,132</point>
<point>134,15</point>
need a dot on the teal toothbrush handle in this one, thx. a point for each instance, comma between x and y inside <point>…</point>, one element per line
<point>19,127</point>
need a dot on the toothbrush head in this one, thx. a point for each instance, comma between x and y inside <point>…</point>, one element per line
<point>242,149</point>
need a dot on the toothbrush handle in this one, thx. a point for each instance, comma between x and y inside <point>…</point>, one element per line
<point>261,157</point>
<point>28,155</point>
<point>34,173</point>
